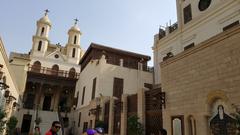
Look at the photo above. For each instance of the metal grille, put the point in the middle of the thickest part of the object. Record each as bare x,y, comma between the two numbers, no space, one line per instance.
153,111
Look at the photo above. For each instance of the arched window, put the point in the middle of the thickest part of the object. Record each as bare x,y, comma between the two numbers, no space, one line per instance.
192,125
39,45
75,40
42,31
73,52
55,69
36,66
72,72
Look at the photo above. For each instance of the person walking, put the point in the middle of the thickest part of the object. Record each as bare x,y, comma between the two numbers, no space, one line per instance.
56,126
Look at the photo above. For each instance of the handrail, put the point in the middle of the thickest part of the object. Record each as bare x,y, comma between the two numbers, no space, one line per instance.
50,71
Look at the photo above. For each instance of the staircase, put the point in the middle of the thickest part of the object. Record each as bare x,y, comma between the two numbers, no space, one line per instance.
47,118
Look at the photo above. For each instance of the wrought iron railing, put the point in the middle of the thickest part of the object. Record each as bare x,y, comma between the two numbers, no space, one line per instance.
50,71
173,27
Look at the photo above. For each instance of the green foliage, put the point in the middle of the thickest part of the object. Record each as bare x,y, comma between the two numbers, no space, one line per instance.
11,124
133,126
2,120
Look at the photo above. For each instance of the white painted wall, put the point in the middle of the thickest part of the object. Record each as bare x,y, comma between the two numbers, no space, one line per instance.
105,73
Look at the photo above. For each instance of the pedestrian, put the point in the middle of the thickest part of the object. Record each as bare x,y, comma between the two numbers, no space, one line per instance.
37,131
56,126
163,131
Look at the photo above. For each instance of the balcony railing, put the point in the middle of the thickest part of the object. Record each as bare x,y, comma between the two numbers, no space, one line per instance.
49,71
169,29
173,27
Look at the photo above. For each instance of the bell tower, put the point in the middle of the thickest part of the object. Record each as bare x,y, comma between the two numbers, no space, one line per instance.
74,51
40,39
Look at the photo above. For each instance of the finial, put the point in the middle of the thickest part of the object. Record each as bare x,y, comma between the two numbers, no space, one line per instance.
76,20
46,12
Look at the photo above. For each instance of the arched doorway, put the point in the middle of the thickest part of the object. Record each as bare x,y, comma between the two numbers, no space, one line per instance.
36,67
47,102
55,69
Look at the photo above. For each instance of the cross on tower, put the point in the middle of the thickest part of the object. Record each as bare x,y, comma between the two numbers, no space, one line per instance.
46,11
76,20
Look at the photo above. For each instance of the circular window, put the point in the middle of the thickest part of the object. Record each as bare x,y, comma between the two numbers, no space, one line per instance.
204,4
56,56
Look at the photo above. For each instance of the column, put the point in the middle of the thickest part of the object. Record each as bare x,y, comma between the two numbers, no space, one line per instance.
102,105
58,92
123,130
39,94
141,106
111,117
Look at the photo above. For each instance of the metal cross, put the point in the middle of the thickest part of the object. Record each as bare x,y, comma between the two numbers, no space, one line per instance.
46,11
76,20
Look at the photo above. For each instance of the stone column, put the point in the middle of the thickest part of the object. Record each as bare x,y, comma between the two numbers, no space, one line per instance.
123,130
58,92
111,117
38,94
102,105
141,106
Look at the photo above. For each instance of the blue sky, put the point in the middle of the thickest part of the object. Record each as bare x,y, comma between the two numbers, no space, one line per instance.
124,24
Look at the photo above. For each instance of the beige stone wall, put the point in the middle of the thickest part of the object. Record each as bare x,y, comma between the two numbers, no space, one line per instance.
196,80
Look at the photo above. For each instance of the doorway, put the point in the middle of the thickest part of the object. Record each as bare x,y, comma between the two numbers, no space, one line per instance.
47,102
26,123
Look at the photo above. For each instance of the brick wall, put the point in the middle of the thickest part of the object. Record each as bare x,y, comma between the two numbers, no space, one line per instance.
195,78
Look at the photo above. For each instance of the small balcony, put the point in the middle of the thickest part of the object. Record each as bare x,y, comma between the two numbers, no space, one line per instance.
53,72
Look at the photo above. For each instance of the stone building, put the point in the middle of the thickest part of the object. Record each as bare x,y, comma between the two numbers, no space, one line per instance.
9,92
47,77
111,86
196,62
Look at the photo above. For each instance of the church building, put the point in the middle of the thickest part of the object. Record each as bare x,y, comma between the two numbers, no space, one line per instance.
47,76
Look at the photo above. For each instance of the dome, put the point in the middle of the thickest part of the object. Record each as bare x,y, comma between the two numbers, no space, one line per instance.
45,20
75,28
